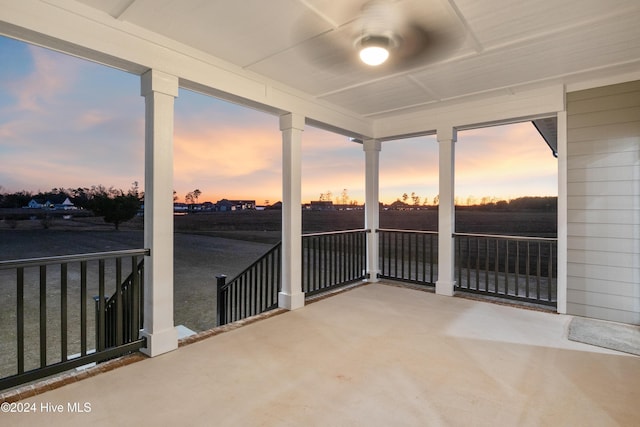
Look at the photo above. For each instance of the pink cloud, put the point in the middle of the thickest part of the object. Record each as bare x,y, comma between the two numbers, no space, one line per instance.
52,74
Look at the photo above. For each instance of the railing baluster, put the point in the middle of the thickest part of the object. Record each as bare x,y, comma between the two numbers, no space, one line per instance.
457,245
254,291
517,268
401,251
416,258
135,296
259,289
431,259
118,312
101,311
528,268
343,258
276,284
315,270
63,311
423,258
396,256
538,272
506,267
249,295
335,270
391,256
323,257
272,274
496,266
477,264
550,272
486,265
43,316
306,260
468,264
408,257
83,308
221,297
350,256
243,297
20,318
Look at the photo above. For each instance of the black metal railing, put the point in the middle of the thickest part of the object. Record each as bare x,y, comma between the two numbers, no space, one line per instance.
253,291
332,259
329,260
48,304
408,255
122,314
514,267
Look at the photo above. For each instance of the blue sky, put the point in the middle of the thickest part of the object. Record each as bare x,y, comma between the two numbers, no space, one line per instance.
66,122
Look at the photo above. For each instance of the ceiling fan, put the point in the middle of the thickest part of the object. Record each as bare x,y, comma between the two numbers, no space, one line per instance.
388,35
387,32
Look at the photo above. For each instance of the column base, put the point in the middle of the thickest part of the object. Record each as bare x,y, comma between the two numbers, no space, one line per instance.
373,278
160,342
290,302
445,288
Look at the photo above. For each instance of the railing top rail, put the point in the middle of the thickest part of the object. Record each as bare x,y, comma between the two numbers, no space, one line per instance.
502,236
31,262
326,233
393,230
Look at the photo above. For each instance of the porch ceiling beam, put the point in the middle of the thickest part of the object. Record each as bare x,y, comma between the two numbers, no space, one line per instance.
503,108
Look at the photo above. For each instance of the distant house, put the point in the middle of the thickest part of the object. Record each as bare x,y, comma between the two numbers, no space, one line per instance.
180,207
399,206
65,206
226,205
208,206
34,204
348,207
322,205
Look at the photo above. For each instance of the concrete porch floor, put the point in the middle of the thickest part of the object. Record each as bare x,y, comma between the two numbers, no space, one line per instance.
377,355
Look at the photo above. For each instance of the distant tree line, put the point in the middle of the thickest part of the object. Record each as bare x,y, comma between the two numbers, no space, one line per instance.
547,203
412,201
527,203
115,205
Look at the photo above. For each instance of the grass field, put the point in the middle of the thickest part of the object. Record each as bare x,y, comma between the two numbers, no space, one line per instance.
265,225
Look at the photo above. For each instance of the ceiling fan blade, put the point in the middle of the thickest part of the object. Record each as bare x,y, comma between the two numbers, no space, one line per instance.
424,46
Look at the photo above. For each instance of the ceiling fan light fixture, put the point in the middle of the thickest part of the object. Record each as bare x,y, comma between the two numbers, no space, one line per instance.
374,50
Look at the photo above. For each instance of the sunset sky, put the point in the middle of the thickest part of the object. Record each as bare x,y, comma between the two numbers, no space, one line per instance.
69,123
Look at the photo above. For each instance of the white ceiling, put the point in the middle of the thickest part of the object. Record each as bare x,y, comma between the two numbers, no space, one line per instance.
501,45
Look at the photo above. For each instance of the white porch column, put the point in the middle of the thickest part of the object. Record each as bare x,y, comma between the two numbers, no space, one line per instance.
291,296
562,213
446,215
159,90
372,204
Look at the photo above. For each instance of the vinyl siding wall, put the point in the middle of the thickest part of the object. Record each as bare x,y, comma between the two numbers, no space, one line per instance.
603,190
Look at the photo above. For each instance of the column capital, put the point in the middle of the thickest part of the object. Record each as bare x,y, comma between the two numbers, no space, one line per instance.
157,81
447,134
371,145
291,121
